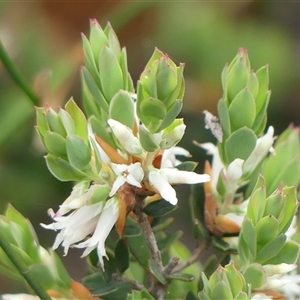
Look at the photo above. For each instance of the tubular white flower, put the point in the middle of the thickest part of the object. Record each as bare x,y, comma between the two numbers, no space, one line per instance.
95,146
169,157
132,174
125,137
19,297
233,173
217,164
171,138
263,146
97,219
162,179
104,225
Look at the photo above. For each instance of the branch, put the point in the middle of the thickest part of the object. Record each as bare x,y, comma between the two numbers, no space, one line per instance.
191,260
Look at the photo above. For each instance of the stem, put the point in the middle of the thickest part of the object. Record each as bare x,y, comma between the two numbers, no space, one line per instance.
150,237
134,284
16,75
191,260
23,269
157,289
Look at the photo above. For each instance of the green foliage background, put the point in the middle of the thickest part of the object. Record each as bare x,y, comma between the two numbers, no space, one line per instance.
43,38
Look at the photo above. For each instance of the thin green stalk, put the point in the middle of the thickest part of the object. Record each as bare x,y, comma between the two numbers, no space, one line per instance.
17,76
23,269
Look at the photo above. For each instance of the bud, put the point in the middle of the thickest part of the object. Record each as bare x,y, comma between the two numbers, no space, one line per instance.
245,95
105,72
160,92
225,283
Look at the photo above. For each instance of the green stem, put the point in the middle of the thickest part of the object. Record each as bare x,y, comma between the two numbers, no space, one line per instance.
16,75
23,269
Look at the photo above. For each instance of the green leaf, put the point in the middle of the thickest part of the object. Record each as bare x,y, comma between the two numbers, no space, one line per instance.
290,207
153,111
187,166
261,117
156,271
63,170
274,204
249,235
54,121
240,144
147,140
122,109
271,249
79,153
127,80
243,251
111,76
67,121
171,114
220,291
113,41
241,296
252,84
137,242
55,144
28,237
168,240
266,230
122,255
131,228
97,38
242,110
158,208
288,254
78,119
203,296
224,117
263,78
43,273
166,78
41,120
90,60
61,272
181,277
106,290
255,275
237,79
94,90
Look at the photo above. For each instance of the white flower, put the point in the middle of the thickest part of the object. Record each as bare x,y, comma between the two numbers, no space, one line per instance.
170,139
95,146
162,179
217,164
125,136
132,174
19,297
75,200
169,157
261,296
263,146
105,223
97,219
233,173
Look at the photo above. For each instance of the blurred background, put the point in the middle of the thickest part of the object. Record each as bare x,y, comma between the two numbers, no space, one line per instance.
43,39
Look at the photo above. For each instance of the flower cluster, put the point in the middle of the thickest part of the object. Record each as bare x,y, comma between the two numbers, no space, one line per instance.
121,157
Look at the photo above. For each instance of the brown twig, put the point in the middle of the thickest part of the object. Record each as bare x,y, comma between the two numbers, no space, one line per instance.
191,260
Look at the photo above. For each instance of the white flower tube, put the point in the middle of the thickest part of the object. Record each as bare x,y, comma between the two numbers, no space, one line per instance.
125,137
162,179
263,146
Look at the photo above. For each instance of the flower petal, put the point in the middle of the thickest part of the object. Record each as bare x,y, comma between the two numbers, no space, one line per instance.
176,176
160,182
